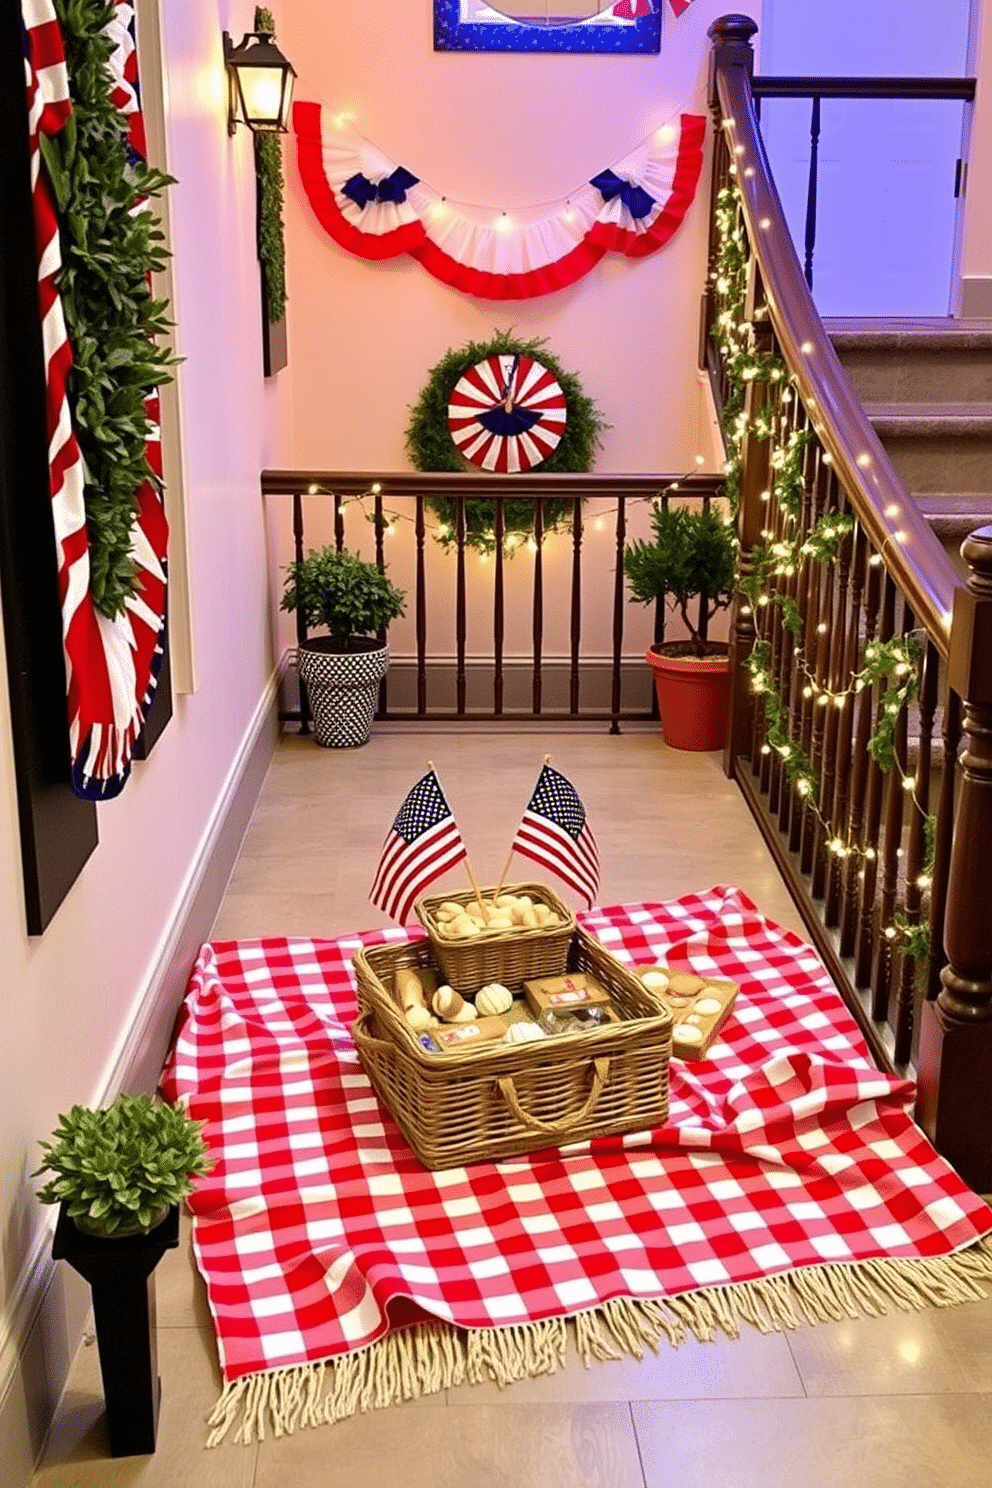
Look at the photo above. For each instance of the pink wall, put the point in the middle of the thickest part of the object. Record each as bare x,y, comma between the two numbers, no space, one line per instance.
501,130
71,997
506,130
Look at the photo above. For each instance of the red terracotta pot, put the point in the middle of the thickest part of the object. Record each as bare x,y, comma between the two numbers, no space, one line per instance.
693,697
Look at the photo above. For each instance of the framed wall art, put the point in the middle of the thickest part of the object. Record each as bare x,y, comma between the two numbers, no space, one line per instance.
622,26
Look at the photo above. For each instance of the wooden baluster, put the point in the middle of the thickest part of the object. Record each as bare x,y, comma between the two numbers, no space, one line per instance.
755,472
827,830
782,667
619,609
801,722
379,523
895,797
770,624
498,615
420,530
840,809
856,864
951,740
818,654
814,153
865,937
301,619
537,624
460,607
913,970
576,625
954,1077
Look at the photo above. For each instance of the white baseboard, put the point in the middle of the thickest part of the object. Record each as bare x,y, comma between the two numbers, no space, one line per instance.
49,1304
595,685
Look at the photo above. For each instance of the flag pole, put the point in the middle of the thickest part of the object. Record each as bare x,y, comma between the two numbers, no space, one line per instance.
506,865
468,865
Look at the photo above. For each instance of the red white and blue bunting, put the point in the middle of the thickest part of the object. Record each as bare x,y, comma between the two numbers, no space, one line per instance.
111,665
377,209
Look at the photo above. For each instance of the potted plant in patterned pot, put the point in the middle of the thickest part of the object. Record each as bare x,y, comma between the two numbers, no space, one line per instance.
355,601
120,1174
693,557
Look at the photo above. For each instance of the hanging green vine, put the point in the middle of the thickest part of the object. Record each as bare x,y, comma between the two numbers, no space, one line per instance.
111,241
271,230
430,446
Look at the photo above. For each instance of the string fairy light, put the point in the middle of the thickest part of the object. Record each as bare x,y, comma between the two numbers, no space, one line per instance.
892,667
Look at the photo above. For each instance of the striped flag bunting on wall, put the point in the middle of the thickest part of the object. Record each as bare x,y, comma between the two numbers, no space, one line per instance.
112,666
423,842
554,832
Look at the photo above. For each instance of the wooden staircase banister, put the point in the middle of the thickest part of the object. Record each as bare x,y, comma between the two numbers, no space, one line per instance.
888,513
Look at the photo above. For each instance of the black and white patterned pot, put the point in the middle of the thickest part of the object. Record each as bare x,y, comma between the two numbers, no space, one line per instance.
343,687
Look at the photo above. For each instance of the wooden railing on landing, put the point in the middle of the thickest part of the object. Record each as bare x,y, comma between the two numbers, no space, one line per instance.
409,492
852,846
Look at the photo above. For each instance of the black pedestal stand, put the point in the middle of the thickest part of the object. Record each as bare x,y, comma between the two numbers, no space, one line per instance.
119,1272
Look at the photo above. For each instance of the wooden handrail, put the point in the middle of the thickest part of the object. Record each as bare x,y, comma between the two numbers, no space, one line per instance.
922,569
473,484
961,89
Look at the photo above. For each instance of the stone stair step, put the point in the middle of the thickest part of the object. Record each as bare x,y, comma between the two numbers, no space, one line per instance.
911,360
937,449
953,515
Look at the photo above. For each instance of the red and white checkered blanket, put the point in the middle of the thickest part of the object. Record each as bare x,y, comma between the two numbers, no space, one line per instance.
319,1230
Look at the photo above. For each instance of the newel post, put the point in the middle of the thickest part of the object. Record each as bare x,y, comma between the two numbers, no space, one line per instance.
731,38
731,49
954,1101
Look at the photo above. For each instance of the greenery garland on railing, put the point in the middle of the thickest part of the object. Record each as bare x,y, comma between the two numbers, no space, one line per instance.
893,666
431,447
271,231
111,241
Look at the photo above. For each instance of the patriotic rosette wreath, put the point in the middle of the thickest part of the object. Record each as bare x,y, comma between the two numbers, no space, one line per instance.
102,372
505,405
377,209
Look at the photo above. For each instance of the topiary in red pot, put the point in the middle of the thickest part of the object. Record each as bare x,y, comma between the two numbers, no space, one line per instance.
693,557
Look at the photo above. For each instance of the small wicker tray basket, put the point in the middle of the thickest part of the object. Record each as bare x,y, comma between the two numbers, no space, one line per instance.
507,956
502,1100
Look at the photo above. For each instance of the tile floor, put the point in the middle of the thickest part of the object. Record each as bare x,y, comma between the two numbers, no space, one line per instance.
873,1402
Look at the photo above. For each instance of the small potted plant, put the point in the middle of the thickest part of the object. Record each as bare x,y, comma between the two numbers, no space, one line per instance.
119,1171
693,557
120,1174
342,670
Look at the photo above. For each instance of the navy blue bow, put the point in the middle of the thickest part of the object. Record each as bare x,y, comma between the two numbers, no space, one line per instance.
392,188
635,198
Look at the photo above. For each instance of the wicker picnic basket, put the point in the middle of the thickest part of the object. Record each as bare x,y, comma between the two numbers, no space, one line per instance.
502,1100
507,956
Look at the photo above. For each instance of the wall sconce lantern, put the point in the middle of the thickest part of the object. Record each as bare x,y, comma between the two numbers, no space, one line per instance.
260,84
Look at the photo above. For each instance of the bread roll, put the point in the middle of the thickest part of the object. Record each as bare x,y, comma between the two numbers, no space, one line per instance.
493,999
452,1007
409,990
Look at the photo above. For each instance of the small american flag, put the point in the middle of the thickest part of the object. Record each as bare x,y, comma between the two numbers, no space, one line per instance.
423,842
554,832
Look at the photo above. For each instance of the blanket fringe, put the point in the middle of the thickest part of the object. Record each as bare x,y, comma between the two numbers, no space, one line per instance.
430,1357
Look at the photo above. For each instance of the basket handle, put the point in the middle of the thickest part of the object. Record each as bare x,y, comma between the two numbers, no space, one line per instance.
507,1089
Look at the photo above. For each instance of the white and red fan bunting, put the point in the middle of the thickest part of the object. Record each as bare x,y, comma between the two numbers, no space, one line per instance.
507,414
111,665
377,209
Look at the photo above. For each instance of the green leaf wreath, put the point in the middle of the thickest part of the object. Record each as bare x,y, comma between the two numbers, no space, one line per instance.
431,447
111,241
